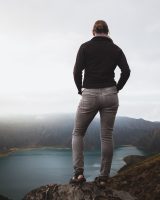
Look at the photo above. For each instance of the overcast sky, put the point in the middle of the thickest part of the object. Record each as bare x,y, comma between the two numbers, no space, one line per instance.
39,40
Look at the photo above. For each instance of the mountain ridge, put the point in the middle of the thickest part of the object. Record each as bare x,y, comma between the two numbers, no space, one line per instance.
56,130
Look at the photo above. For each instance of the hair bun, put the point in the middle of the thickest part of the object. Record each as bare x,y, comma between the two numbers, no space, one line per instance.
100,26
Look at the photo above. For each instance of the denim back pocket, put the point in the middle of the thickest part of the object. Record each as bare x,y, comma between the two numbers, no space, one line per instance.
89,100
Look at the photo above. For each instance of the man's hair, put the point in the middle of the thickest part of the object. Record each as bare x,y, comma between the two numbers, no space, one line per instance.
100,26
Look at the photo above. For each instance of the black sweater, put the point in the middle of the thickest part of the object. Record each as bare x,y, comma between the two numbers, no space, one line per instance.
98,58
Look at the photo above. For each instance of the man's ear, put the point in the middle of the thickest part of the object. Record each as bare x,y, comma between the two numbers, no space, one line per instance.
93,33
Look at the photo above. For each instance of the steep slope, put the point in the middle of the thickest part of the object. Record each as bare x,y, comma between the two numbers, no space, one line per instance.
141,179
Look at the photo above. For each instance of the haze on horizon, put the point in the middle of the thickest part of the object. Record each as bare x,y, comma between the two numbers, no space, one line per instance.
39,42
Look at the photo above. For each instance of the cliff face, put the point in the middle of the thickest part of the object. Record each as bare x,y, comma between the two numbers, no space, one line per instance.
140,180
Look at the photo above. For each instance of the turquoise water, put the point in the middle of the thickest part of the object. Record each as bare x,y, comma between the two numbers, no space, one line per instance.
25,170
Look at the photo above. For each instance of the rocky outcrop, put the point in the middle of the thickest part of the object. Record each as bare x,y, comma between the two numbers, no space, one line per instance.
139,181
86,191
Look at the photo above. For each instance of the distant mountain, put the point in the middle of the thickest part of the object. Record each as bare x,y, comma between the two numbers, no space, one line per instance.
56,130
130,131
150,142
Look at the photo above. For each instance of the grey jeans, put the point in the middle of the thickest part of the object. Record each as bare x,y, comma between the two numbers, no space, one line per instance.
106,102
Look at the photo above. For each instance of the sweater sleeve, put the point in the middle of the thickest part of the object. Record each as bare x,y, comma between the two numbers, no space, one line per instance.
125,70
78,68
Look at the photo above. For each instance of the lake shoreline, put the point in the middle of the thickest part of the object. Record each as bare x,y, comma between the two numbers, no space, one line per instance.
13,150
16,149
